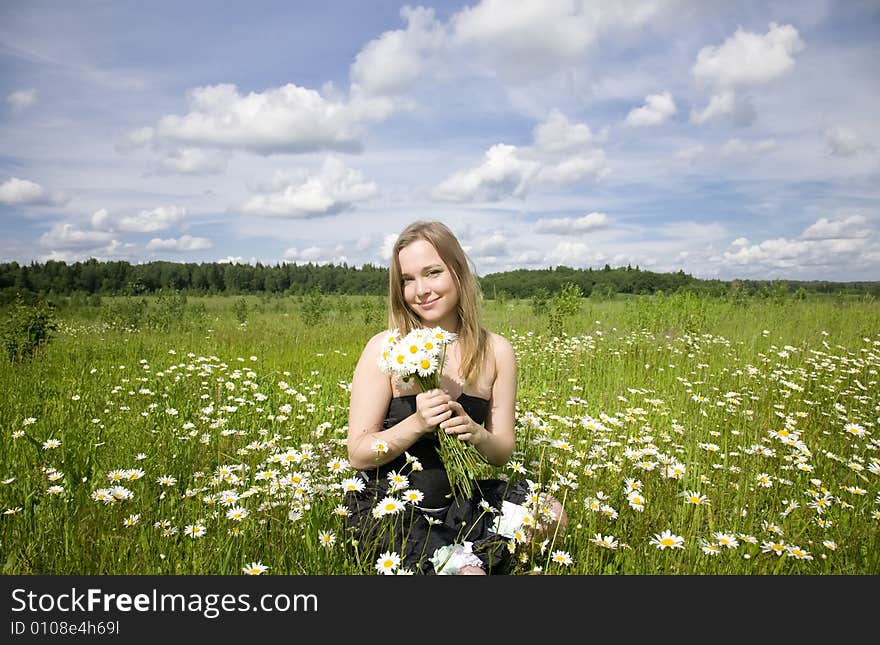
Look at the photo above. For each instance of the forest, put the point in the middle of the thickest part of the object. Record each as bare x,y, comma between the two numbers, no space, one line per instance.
94,277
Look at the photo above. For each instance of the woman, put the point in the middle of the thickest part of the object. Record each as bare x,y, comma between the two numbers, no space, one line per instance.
431,284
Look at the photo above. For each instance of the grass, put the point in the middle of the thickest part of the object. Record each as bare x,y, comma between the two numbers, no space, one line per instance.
216,433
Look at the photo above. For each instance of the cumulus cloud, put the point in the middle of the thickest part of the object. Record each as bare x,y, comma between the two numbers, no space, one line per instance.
146,221
511,171
523,40
503,173
333,189
726,105
67,236
845,142
15,191
573,254
748,58
192,161
316,255
572,225
657,110
745,59
391,62
826,244
288,119
558,134
21,100
852,227
180,244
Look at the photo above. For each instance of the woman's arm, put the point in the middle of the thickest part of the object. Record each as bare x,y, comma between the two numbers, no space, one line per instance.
497,439
370,396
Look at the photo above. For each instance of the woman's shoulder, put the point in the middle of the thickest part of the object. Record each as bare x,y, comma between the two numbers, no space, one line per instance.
499,343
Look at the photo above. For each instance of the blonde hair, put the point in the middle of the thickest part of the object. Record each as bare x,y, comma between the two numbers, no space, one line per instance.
472,337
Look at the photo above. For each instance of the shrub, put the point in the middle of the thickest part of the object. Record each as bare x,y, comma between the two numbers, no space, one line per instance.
27,329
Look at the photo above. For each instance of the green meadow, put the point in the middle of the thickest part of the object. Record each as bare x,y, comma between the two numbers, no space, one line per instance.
684,435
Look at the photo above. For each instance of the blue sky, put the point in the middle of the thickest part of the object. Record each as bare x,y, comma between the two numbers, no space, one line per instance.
726,139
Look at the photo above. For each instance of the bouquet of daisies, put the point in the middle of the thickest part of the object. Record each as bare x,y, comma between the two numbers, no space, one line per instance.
420,355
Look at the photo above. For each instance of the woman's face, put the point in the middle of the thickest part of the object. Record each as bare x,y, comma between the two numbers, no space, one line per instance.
428,286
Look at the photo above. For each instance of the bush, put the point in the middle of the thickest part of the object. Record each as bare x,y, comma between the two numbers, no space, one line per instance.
240,309
27,329
313,308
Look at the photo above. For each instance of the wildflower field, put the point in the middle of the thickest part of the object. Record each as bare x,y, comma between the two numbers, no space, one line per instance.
683,434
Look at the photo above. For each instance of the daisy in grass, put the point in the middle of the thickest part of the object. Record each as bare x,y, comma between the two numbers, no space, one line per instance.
561,557
50,444
764,480
237,513
636,501
254,569
353,484
387,563
710,548
694,497
605,541
667,540
798,553
166,480
195,531
776,548
326,539
131,520
726,540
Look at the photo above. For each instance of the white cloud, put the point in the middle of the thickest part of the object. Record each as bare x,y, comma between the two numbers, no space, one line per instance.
845,142
748,58
657,110
502,173
15,191
193,161
289,119
691,153
333,189
525,40
852,227
181,244
21,100
22,191
316,255
746,149
725,105
572,225
558,134
511,171
791,256
67,236
573,254
146,221
391,62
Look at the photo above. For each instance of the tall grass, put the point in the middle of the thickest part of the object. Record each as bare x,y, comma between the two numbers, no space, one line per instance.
217,437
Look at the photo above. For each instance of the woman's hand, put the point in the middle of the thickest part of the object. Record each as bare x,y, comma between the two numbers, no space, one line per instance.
433,408
461,425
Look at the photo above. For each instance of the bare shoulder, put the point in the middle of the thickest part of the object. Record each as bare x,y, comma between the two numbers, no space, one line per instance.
374,346
501,348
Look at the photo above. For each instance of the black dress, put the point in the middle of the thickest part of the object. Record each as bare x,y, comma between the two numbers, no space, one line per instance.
439,520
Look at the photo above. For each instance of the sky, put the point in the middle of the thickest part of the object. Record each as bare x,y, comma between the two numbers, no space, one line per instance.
728,139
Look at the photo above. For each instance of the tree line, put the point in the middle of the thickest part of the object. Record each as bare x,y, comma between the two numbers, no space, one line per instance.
123,278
